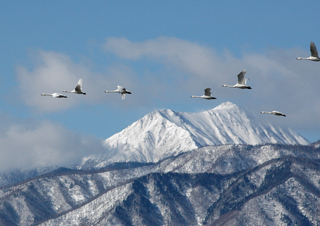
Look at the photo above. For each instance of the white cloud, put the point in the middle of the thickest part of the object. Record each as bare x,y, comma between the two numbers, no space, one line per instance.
43,143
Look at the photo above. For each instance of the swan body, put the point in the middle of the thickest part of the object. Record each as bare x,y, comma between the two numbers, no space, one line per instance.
77,89
120,90
55,95
207,95
241,84
314,53
278,113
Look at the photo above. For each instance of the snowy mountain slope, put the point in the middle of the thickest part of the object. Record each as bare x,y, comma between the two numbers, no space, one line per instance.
208,176
279,191
206,199
164,133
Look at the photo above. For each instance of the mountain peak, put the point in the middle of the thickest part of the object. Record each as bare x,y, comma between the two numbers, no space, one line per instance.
165,132
166,112
226,105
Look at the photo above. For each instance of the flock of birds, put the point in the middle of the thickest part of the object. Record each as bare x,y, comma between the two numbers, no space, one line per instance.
241,84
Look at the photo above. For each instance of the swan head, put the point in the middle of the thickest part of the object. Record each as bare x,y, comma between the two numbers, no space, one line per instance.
299,58
192,96
224,85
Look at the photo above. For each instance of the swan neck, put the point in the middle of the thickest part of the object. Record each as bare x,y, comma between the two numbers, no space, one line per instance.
302,58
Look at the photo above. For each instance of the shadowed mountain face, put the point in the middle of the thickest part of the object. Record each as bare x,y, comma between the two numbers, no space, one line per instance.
216,185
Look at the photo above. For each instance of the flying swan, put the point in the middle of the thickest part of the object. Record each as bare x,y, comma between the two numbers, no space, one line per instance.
241,82
314,53
207,95
77,90
55,95
278,113
120,90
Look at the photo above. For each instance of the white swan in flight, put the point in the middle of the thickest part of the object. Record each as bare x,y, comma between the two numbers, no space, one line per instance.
77,90
241,82
55,95
207,95
314,53
278,113
120,90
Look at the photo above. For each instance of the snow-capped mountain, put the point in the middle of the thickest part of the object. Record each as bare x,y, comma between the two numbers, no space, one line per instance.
164,133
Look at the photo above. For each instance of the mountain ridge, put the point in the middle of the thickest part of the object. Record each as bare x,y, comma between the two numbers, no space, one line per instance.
240,183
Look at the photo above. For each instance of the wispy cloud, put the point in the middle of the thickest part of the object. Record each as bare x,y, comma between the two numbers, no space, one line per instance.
186,55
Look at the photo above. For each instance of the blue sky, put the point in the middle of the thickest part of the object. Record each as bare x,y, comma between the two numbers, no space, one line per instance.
161,51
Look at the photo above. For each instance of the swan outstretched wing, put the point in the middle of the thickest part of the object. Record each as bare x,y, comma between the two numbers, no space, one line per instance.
313,50
207,92
241,79
79,86
120,88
